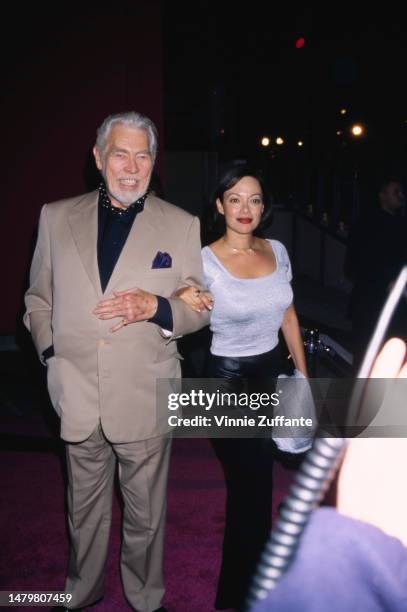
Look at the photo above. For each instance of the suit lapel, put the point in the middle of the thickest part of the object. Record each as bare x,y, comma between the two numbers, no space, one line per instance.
84,226
136,253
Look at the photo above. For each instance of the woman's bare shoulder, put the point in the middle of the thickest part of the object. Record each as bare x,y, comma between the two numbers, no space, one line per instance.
216,246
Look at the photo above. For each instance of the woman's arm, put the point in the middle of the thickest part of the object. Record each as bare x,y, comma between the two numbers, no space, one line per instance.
292,335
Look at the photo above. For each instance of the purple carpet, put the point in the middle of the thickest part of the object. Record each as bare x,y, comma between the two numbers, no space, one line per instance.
34,545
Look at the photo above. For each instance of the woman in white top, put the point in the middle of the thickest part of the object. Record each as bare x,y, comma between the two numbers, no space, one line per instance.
251,300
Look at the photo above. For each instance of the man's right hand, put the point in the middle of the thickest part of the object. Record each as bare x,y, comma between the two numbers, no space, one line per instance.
132,305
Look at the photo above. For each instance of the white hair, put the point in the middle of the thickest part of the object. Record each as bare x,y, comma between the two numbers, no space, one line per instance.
131,119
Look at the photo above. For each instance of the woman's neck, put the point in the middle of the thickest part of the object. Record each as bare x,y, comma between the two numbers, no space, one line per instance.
238,243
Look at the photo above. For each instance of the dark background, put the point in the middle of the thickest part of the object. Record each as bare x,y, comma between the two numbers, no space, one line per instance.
240,71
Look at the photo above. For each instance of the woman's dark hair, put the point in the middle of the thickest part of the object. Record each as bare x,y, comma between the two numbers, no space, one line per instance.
213,222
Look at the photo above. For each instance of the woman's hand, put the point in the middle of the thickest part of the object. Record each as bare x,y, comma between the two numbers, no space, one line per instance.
292,335
195,298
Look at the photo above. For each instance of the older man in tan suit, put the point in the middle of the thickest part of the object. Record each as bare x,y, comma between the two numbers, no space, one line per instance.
102,314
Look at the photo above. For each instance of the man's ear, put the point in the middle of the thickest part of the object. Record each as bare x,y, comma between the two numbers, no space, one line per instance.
219,206
98,157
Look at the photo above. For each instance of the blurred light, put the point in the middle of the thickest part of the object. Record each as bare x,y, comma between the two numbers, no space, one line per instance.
338,132
300,143
357,130
222,131
265,141
344,111
279,141
299,43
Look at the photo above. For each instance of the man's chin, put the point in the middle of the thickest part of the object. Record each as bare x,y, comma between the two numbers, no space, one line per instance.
126,199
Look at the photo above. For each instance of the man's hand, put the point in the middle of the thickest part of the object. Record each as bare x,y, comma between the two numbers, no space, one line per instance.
195,298
132,305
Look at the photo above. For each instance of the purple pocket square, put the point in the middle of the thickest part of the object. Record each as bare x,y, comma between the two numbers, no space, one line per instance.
162,260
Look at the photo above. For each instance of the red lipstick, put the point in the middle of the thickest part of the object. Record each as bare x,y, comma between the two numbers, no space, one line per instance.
245,220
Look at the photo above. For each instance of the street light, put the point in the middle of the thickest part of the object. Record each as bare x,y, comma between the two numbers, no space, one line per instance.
265,141
300,143
279,140
357,130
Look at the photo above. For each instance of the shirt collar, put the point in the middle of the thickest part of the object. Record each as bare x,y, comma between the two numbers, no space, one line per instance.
134,208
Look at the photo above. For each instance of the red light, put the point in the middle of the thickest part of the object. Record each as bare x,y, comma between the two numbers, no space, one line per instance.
299,43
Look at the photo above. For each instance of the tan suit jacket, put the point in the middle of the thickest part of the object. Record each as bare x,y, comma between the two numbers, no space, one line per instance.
96,374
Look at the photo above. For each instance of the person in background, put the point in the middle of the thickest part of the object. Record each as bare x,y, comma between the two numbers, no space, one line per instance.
377,250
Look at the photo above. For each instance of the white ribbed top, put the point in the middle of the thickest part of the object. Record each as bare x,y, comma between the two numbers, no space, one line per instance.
247,312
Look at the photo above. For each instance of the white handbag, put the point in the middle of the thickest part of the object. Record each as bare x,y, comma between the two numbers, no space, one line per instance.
296,402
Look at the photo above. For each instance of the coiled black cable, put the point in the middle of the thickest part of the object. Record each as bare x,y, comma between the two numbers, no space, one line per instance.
317,471
310,484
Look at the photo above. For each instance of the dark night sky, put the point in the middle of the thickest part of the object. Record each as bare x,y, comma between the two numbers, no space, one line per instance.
238,70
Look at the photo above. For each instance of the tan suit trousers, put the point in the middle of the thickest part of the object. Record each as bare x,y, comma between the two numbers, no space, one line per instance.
143,470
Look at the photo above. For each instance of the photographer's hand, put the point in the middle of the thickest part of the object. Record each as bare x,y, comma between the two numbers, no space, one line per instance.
371,484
